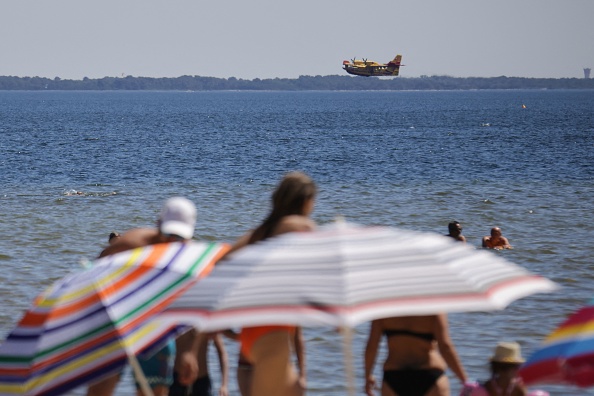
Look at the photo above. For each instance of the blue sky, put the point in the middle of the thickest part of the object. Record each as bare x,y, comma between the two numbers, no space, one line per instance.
277,38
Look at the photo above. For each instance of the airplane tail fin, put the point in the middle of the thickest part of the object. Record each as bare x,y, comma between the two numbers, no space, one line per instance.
394,65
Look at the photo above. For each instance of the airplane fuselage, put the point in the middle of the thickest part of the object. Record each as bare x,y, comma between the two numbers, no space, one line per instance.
368,69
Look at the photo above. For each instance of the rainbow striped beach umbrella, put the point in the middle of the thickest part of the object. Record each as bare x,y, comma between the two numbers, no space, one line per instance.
566,355
86,325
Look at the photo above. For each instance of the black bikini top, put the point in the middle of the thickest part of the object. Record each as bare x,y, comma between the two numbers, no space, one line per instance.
424,336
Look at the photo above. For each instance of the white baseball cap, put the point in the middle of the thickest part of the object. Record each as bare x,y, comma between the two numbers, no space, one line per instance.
178,217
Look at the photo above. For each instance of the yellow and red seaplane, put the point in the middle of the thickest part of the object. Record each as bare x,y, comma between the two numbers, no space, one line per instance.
367,68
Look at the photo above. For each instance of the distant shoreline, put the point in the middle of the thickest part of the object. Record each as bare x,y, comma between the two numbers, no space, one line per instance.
302,83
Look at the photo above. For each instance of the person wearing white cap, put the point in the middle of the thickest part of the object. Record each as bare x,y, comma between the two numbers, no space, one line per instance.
177,219
175,223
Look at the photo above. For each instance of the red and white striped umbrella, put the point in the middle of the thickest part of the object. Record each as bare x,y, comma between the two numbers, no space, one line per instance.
344,274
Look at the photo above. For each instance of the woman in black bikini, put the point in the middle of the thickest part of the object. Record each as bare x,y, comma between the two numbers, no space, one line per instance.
419,351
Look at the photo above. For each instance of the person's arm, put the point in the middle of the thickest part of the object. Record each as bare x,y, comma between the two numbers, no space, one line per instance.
105,386
223,362
446,348
462,238
520,389
506,244
485,242
186,362
299,345
375,336
132,239
121,245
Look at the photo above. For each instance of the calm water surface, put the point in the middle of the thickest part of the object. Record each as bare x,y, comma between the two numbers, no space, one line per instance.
410,159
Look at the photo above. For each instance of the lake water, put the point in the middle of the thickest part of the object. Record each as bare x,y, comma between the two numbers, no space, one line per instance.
409,159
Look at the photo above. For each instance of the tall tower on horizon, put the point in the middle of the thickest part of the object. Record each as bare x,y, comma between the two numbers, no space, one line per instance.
587,72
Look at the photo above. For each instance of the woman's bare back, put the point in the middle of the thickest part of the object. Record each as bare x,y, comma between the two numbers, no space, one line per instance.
412,342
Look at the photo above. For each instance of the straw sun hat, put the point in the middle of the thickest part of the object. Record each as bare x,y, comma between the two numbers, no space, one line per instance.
508,352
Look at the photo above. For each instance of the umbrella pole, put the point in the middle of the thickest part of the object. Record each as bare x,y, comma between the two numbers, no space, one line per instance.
347,350
140,377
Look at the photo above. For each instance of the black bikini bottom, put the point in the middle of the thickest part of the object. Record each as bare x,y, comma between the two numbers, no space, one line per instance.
412,382
202,387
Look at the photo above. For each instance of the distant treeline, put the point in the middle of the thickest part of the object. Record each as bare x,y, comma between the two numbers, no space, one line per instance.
303,83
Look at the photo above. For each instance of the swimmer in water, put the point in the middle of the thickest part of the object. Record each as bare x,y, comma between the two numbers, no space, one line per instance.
455,230
496,240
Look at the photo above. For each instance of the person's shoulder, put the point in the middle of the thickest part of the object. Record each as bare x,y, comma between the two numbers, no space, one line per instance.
132,239
295,223
241,242
138,237
136,233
